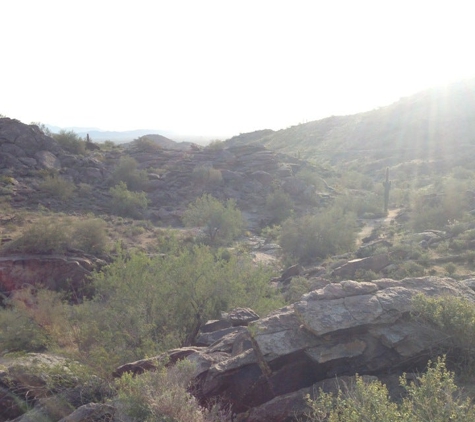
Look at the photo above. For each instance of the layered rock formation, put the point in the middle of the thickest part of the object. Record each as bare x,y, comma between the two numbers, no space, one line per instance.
345,328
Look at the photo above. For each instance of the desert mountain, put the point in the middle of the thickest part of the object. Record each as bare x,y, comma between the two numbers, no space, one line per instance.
435,123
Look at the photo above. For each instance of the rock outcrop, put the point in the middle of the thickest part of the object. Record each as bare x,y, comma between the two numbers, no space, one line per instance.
337,331
54,272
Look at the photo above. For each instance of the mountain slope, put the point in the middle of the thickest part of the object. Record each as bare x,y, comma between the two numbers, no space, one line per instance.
431,124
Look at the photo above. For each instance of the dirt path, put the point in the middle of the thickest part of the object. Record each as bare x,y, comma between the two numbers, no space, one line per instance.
374,223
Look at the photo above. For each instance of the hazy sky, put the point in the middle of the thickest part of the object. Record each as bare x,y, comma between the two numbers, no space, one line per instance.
223,67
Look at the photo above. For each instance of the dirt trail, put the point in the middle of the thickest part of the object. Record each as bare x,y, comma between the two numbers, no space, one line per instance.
374,223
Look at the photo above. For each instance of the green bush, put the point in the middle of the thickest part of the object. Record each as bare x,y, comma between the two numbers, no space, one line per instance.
163,395
70,141
216,145
58,187
440,209
432,398
279,205
33,322
453,319
318,236
206,176
144,144
127,203
222,222
145,305
50,235
47,235
407,269
126,171
90,235
367,205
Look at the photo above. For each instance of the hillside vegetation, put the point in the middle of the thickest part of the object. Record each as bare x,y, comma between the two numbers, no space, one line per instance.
114,258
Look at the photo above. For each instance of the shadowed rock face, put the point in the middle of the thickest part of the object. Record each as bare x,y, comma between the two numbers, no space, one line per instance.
340,330
49,271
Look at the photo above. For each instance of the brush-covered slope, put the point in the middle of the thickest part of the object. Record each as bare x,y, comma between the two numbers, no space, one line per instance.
435,123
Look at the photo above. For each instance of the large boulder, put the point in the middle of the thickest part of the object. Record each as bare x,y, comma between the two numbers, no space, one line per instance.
19,141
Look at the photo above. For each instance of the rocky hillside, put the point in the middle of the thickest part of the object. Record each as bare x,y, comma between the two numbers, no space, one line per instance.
110,334
433,124
247,174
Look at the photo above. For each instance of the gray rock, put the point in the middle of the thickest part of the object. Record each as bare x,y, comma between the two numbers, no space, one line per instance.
47,160
92,412
240,316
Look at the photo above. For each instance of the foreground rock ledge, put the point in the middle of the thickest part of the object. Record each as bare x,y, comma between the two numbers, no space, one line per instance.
340,330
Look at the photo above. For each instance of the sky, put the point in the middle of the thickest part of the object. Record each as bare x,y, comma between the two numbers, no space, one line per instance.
222,67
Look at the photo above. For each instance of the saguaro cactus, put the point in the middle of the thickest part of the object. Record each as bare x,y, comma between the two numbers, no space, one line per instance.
387,187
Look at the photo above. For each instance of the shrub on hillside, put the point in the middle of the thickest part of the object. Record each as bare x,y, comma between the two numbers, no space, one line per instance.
435,211
70,141
127,203
56,235
33,322
58,187
222,222
144,305
279,205
90,235
45,236
318,236
452,318
163,395
432,398
145,144
126,171
206,176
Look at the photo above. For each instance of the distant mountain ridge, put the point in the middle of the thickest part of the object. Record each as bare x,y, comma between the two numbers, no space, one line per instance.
433,122
120,137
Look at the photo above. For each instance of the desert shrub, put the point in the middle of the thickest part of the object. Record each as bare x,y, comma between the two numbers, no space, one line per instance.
145,144
19,332
50,235
353,179
407,269
107,145
90,235
70,141
215,145
47,235
163,395
311,177
366,275
206,176
279,205
222,222
438,210
33,322
432,398
58,187
318,236
298,286
451,269
126,171
84,189
453,318
367,205
144,305
271,233
127,203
